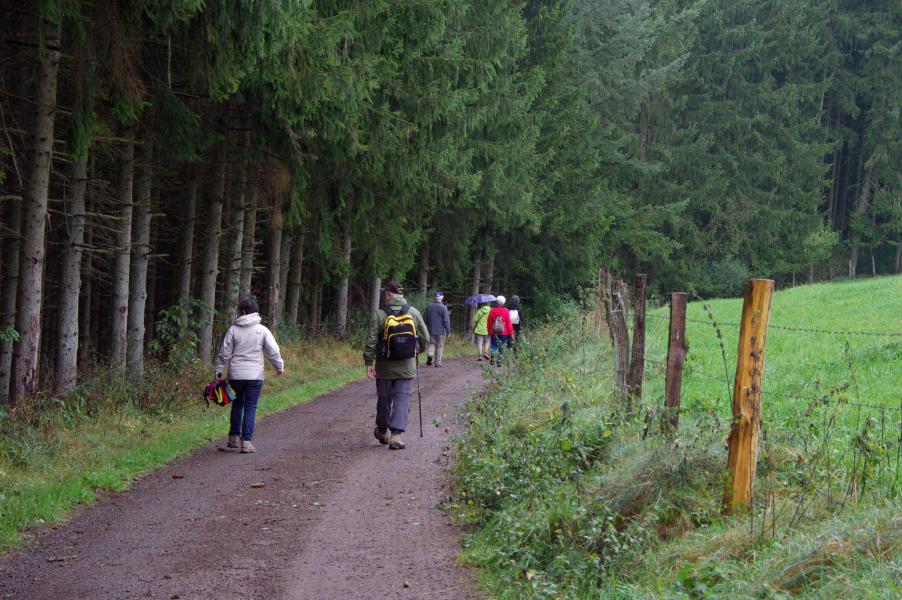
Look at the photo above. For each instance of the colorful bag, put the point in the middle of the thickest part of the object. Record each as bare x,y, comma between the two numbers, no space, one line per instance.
498,326
399,335
219,391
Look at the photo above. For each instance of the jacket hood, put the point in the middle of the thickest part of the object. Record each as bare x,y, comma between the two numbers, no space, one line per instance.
248,320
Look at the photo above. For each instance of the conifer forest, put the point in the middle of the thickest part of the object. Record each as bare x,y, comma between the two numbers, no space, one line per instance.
160,159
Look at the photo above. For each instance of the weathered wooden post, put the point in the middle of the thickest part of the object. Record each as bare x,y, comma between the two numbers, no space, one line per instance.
601,310
742,457
676,355
637,354
620,335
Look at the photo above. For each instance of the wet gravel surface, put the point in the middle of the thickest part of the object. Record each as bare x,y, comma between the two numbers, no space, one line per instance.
337,514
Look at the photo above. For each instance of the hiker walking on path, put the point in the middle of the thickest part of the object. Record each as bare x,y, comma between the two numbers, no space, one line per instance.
516,318
243,348
501,329
397,331
481,332
438,321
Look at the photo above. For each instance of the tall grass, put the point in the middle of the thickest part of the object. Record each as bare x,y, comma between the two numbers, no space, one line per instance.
572,497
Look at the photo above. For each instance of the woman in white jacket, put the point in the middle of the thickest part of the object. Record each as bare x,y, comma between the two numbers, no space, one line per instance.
243,348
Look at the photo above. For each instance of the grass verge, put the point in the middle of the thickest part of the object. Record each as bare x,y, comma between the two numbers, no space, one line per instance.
60,453
571,497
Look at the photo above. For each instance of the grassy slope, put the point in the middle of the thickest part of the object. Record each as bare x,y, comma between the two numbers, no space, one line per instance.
573,502
66,455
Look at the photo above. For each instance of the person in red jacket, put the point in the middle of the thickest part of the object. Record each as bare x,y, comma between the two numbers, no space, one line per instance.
500,329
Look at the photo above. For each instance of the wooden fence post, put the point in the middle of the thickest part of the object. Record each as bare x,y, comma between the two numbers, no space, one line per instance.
676,355
742,458
602,311
621,338
637,354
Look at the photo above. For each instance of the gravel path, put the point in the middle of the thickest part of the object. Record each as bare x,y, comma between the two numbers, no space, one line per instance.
339,516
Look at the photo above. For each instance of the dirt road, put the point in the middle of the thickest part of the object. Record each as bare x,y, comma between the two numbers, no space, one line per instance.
339,515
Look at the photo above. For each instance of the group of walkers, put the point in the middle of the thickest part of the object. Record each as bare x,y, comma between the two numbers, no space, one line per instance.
391,353
497,327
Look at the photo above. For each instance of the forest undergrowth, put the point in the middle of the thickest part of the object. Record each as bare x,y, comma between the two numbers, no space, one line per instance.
572,496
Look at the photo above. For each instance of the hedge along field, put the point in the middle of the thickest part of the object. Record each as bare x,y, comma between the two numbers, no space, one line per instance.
570,497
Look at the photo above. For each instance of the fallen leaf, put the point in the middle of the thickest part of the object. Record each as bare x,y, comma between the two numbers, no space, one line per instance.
258,485
177,476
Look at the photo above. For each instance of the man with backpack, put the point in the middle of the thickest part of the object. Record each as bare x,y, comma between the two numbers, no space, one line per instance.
439,323
397,332
500,328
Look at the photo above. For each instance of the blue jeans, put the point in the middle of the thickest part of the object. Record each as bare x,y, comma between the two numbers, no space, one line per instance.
244,407
498,344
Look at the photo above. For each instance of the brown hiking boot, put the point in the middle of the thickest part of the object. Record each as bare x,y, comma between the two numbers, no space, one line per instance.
381,435
395,442
234,441
247,447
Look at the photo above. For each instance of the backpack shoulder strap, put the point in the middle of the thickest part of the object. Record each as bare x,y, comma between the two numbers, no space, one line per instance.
404,310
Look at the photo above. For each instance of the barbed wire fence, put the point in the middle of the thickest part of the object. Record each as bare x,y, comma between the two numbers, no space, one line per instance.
821,443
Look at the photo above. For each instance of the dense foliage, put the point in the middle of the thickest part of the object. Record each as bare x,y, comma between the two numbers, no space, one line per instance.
511,146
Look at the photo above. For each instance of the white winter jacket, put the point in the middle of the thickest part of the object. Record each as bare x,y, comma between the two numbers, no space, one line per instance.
243,348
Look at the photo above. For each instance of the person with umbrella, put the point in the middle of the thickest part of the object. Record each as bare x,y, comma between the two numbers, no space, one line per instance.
501,329
481,331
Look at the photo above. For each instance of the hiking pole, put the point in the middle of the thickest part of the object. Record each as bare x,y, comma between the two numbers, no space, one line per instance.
419,396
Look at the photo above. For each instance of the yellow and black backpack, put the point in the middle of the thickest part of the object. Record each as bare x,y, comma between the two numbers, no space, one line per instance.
399,334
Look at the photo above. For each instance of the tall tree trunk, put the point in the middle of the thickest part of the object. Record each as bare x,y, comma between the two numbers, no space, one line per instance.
489,273
899,256
276,222
140,259
31,266
861,206
85,346
294,284
474,289
424,269
316,303
375,293
236,242
285,255
123,251
70,281
810,274
344,283
249,244
210,267
11,248
186,258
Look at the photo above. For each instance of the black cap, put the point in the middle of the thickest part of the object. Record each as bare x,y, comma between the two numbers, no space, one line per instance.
393,287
